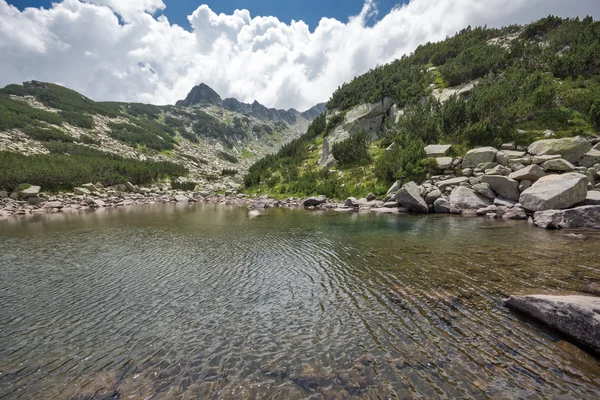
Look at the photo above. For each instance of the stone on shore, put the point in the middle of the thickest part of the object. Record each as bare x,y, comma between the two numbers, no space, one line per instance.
130,187
81,191
180,198
432,196
484,190
571,149
314,201
391,204
395,187
592,199
578,217
531,173
442,206
26,191
555,192
351,202
577,316
54,204
409,197
443,163
502,186
437,150
90,186
464,198
478,156
451,182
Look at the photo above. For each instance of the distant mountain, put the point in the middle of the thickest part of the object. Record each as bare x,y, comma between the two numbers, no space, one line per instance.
314,112
203,95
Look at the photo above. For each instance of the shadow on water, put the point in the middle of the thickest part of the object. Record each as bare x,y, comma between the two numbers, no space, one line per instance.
198,301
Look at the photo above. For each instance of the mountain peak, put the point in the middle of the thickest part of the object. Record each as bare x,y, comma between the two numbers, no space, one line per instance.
201,94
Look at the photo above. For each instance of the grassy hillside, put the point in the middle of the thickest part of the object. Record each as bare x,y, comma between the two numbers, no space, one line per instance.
57,138
542,76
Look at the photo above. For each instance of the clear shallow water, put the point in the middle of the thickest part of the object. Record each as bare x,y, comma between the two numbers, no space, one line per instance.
200,302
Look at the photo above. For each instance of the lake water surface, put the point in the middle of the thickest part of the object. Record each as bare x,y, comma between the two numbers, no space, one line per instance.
198,301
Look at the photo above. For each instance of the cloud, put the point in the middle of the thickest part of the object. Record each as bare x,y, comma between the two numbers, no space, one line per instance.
120,50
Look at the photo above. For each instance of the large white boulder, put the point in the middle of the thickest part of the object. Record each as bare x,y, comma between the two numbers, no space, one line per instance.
478,156
29,191
464,198
571,149
577,316
555,192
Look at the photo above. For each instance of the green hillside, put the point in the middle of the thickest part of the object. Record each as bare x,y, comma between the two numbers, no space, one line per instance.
544,76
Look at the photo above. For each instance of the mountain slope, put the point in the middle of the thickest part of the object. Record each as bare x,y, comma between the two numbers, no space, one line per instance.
481,87
47,125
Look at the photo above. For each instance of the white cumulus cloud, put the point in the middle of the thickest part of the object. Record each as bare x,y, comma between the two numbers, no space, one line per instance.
120,50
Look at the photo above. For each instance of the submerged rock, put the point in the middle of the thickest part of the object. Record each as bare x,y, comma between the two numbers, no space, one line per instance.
555,192
579,217
254,214
577,316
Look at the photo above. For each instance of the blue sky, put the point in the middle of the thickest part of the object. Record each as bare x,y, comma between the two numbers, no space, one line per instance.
309,11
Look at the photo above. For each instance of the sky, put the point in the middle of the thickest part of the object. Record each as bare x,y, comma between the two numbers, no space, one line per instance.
291,53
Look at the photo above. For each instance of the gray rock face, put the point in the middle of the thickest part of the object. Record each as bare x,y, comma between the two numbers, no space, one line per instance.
558,165
53,204
90,186
409,196
391,204
577,316
130,186
592,198
531,173
480,155
314,201
502,186
395,187
442,206
437,150
571,149
464,198
579,217
590,158
31,191
555,192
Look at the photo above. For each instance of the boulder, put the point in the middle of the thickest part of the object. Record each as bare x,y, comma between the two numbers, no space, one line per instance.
464,198
578,217
181,198
479,155
81,191
314,201
442,185
524,185
409,196
371,197
558,165
351,202
432,196
571,149
443,163
499,201
590,158
99,203
515,213
555,192
442,206
26,191
531,173
391,204
395,187
130,186
502,158
484,190
254,214
54,204
437,150
592,199
576,316
90,186
502,186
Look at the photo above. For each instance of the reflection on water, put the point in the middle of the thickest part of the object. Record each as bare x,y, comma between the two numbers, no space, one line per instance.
199,301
